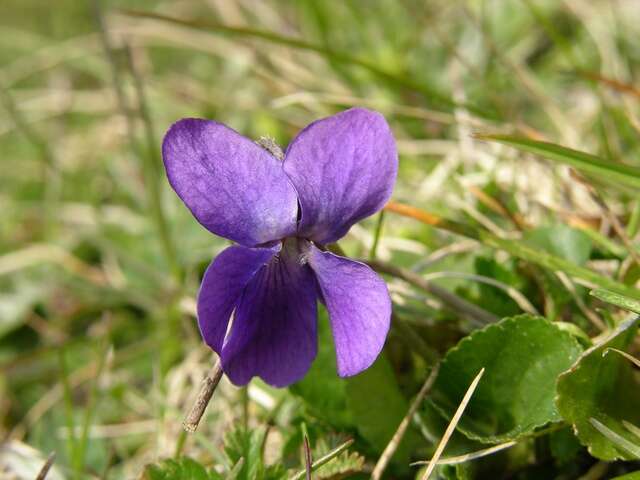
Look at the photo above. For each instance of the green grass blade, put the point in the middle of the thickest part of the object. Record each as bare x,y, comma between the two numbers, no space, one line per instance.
72,445
524,252
584,162
515,248
618,440
323,460
430,93
617,300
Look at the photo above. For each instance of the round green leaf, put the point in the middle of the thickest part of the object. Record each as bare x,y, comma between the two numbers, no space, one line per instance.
603,391
522,357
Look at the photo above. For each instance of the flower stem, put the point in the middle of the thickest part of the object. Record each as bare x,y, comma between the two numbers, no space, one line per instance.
209,385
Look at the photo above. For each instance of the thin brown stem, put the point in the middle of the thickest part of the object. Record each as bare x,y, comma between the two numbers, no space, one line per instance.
44,471
471,312
208,387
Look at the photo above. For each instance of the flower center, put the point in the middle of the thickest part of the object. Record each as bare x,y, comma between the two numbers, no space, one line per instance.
270,145
295,249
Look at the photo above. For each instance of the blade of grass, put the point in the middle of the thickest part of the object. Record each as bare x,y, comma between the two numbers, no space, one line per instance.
516,248
612,83
554,34
617,300
452,426
467,309
632,428
634,220
307,456
23,126
522,301
470,456
152,168
323,460
616,439
631,358
585,162
103,358
392,446
68,408
376,235
329,53
611,217
544,259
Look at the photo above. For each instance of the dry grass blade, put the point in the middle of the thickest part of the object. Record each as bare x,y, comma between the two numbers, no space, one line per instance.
632,428
37,254
470,456
338,56
631,358
452,426
517,249
615,438
467,309
514,294
392,446
616,85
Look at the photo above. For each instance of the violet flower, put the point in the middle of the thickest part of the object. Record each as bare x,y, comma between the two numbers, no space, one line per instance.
282,213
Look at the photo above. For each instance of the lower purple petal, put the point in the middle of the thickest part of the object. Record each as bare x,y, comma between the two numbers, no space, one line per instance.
222,287
274,331
359,309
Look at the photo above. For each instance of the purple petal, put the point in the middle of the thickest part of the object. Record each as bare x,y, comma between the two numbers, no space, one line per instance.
233,187
222,287
359,309
274,332
344,168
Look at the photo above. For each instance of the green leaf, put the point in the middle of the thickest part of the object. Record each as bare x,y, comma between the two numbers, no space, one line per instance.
184,468
522,356
370,402
602,387
564,446
246,445
324,393
561,241
621,301
494,299
434,425
585,162
377,407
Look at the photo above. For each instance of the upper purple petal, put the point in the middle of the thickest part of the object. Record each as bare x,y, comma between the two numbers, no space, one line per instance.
274,331
343,168
233,187
222,287
359,309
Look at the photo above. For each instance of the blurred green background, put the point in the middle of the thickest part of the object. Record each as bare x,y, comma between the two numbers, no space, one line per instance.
100,263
